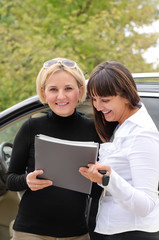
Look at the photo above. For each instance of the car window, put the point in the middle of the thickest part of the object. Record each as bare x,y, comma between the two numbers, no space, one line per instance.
152,107
8,134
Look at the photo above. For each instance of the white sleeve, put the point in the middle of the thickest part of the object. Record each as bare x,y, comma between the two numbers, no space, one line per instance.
142,196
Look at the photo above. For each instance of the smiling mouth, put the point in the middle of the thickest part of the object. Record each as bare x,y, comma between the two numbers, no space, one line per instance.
107,112
62,104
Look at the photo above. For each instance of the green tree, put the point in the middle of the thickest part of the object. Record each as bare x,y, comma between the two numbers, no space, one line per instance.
88,32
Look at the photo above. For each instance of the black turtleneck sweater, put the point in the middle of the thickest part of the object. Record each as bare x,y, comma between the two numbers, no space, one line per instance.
51,211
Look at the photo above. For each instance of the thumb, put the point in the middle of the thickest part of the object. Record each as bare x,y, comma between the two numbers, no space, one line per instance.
37,172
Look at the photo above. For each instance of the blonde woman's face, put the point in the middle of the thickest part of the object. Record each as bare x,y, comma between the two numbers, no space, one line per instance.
62,93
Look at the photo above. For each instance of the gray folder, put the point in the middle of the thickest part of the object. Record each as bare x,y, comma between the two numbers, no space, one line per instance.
61,160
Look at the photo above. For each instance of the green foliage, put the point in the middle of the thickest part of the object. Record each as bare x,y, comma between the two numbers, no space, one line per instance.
88,32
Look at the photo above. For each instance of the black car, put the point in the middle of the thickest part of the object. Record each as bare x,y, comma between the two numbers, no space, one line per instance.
12,118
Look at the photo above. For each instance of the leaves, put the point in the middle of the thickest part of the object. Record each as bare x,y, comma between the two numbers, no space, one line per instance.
89,32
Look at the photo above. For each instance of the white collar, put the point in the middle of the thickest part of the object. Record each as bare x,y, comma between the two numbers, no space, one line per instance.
141,119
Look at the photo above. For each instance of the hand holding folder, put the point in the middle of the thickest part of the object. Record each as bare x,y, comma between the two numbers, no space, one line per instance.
61,160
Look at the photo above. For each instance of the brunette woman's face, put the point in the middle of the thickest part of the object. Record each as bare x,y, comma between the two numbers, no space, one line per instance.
62,93
114,108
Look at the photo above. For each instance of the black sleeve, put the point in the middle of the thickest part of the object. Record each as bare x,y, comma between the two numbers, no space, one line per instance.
16,175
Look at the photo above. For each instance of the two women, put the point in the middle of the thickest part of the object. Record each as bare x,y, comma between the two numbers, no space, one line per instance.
129,154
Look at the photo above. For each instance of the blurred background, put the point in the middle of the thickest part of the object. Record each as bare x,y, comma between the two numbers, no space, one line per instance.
88,32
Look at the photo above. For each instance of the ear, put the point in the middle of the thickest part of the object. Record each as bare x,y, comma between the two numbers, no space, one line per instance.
126,101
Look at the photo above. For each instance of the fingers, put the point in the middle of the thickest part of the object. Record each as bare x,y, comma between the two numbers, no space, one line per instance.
100,166
104,167
92,172
84,172
35,187
37,184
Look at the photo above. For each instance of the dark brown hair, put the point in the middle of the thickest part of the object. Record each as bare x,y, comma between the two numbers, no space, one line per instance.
111,79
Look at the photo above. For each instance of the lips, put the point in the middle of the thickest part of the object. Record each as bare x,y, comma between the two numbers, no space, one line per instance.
106,112
62,104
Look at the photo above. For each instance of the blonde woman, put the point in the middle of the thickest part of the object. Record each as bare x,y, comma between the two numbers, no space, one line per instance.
46,211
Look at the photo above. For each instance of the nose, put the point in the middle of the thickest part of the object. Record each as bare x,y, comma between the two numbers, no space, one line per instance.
61,94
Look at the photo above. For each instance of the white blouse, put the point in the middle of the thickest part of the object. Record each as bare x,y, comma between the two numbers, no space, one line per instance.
131,201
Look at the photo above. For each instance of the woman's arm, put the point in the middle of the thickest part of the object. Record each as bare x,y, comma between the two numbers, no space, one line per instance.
142,196
16,175
21,174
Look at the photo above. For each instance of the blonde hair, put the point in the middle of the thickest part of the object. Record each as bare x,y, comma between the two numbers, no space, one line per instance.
45,73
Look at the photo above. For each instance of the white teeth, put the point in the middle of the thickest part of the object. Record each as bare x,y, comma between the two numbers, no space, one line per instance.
106,112
61,104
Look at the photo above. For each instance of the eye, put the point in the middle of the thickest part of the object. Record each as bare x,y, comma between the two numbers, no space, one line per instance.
68,88
53,89
105,100
93,100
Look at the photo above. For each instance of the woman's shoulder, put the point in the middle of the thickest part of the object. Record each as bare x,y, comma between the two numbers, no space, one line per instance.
34,122
142,120
38,118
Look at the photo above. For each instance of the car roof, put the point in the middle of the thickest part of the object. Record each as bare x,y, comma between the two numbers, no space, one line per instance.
147,82
146,75
28,105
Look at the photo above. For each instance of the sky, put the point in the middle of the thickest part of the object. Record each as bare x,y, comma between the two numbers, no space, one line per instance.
152,54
